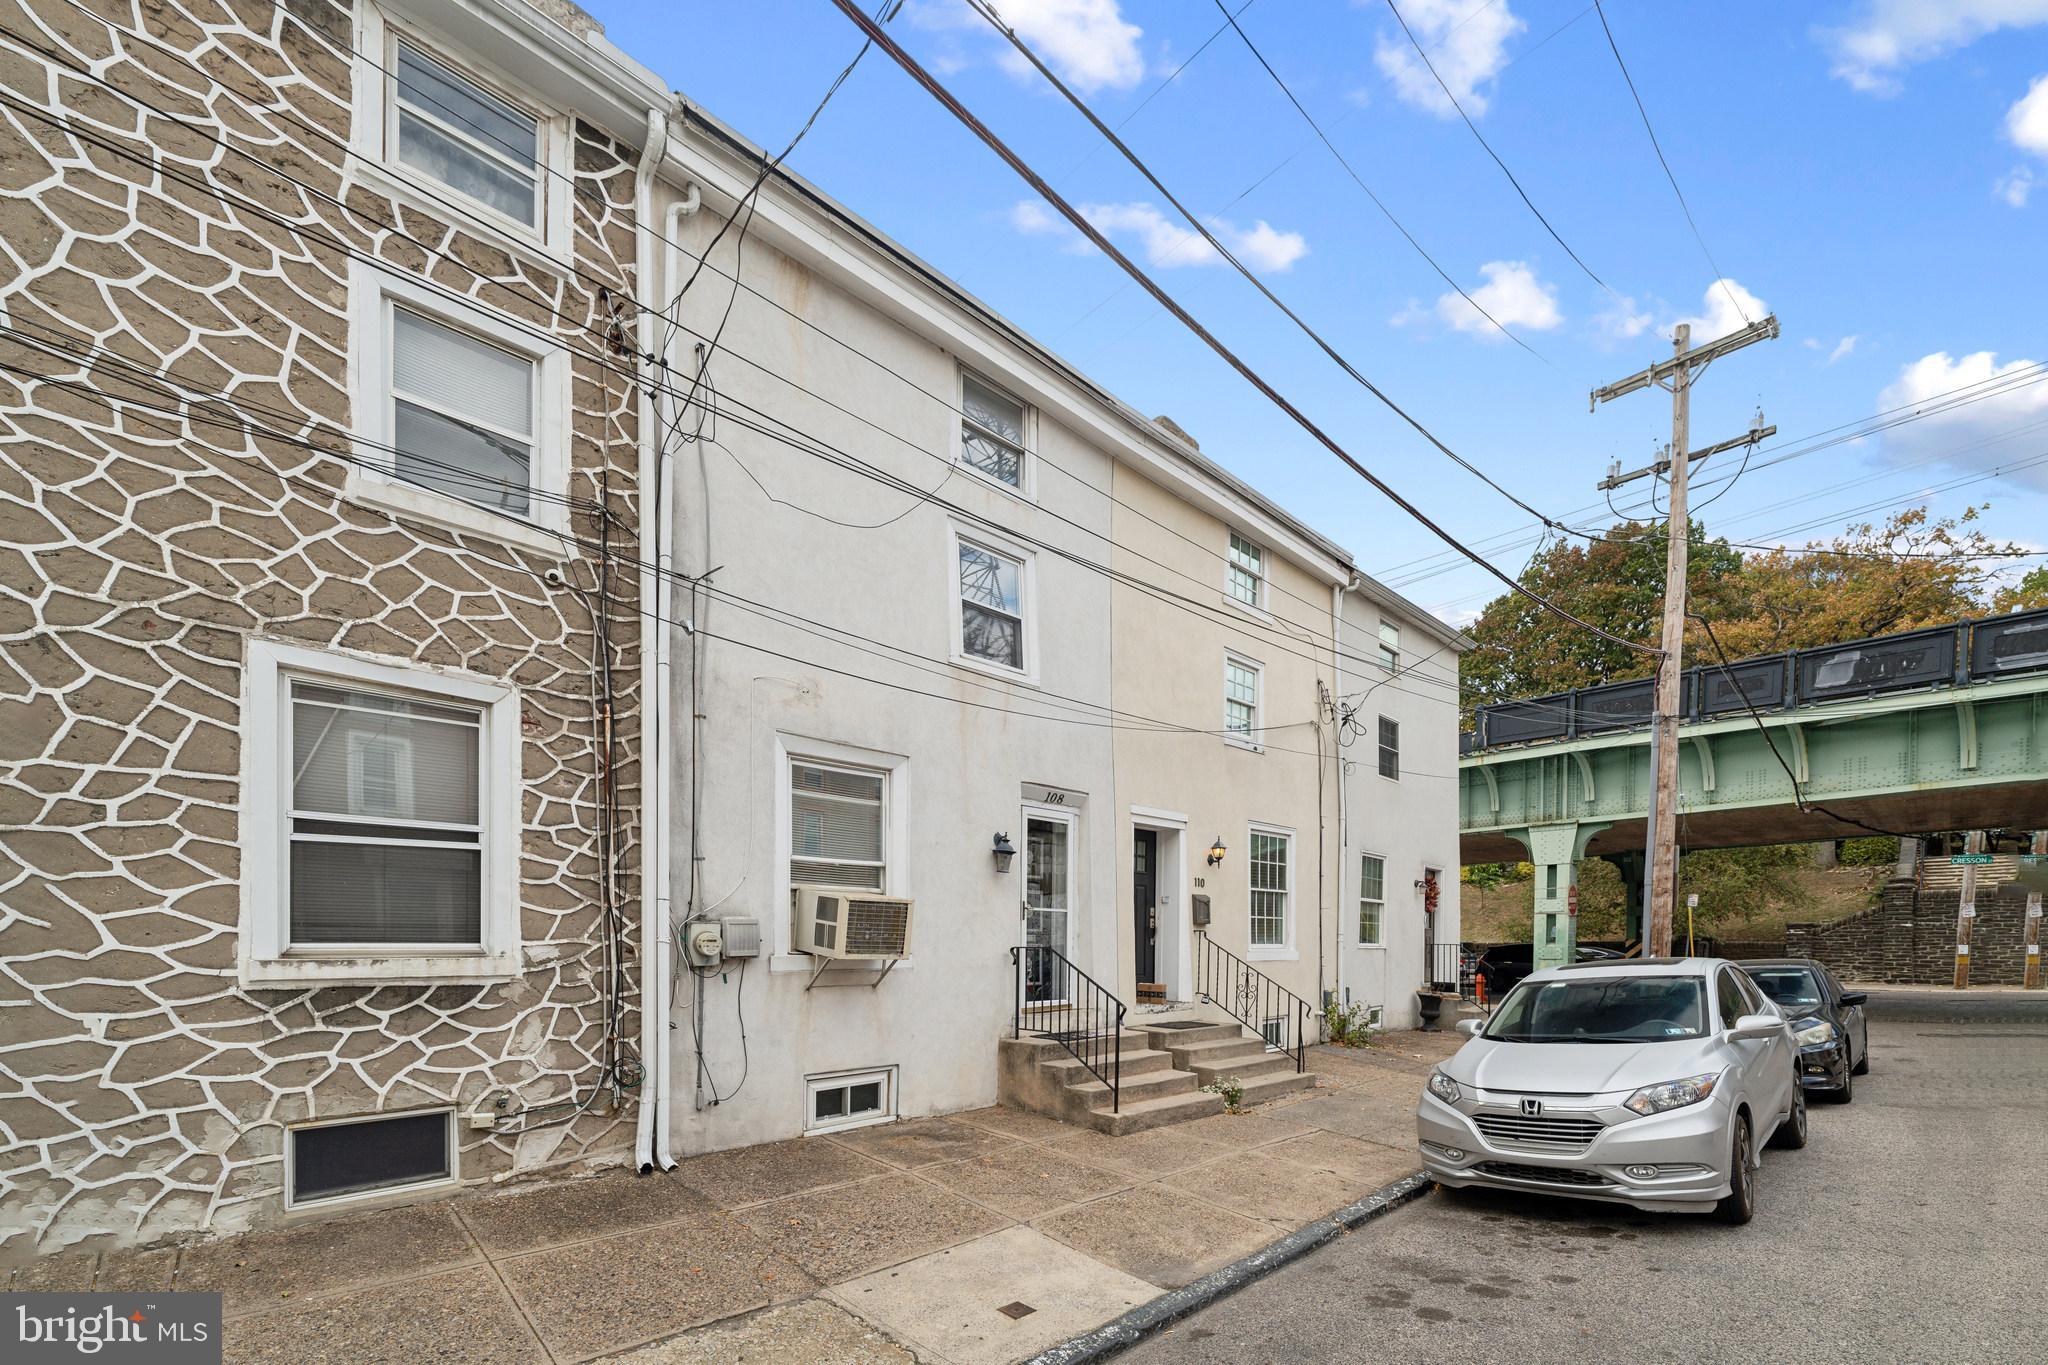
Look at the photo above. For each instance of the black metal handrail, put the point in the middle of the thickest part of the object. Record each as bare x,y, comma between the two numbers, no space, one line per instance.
1252,998
1059,1002
1448,968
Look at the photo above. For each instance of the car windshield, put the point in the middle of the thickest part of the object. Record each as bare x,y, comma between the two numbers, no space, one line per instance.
1787,985
1614,1009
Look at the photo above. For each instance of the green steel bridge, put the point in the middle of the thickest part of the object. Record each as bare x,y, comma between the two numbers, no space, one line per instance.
1919,733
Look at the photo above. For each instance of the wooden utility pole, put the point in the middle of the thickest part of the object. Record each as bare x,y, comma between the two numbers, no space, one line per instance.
1966,907
1677,375
2032,974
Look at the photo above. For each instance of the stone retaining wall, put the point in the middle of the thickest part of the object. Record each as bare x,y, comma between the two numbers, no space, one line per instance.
1910,936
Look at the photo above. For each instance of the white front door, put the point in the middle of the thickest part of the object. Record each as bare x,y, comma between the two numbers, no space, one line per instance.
1048,905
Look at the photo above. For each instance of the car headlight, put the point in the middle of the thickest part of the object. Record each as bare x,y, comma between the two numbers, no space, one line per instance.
1814,1033
1444,1088
1655,1099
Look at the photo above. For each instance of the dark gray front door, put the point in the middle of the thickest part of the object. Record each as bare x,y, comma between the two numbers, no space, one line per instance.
1144,903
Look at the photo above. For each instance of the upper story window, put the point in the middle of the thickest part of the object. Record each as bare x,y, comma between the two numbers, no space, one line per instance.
381,829
462,414
836,825
991,592
993,432
1390,748
1245,571
1390,646
448,127
1240,699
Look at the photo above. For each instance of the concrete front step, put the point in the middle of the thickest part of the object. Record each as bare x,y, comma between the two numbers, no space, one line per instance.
1150,1085
1244,1068
1072,1071
1173,1039
1137,1115
1218,1051
1272,1085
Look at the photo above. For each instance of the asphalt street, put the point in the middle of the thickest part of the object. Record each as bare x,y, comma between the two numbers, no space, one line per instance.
1910,1228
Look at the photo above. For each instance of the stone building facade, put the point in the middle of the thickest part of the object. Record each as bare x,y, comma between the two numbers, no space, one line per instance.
211,212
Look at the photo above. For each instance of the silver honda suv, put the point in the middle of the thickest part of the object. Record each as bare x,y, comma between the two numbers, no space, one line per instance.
1653,1082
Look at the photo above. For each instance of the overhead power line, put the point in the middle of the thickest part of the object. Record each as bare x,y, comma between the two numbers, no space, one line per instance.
1108,248
1416,43
1308,118
1658,147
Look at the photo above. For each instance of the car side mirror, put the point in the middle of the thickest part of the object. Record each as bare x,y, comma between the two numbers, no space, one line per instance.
1854,997
1755,1026
1471,1028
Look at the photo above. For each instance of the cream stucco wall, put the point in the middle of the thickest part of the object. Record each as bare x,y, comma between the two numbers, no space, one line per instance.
1172,636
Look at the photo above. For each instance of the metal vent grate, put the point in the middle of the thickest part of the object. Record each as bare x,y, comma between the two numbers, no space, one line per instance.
337,1159
876,926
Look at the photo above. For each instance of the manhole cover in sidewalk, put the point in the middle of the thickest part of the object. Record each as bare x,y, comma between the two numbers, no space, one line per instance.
1016,1310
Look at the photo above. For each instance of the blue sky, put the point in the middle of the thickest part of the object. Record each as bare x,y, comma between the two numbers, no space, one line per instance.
1867,170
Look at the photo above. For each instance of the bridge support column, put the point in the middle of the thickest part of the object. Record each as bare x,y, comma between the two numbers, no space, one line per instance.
1629,864
1555,850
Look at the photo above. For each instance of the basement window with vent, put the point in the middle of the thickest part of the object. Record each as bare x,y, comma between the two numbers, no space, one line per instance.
357,1157
850,1099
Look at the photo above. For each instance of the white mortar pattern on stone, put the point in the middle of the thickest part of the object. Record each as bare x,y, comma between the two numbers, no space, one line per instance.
141,1089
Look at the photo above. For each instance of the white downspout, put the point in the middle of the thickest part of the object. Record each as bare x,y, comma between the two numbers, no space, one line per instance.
1343,807
663,779
651,1138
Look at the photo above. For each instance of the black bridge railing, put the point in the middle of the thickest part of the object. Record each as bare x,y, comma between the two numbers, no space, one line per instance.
1057,1001
1252,998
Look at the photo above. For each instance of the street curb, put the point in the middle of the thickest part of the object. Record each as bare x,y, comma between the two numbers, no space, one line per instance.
1120,1334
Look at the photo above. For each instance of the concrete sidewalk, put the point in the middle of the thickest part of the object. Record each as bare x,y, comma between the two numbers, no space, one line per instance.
895,1243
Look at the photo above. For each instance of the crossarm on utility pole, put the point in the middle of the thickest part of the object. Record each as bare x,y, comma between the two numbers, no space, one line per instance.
1614,481
1687,363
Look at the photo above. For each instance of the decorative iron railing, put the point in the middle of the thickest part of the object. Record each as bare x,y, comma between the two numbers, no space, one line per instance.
1252,998
1449,968
1057,1001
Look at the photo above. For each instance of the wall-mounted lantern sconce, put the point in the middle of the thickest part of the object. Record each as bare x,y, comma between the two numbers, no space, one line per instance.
1216,851
1004,851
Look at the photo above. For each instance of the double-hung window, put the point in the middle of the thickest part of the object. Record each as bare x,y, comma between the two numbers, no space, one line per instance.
1390,646
836,825
1390,748
381,821
989,594
1240,700
1372,898
386,820
993,438
462,414
449,128
1272,870
1245,571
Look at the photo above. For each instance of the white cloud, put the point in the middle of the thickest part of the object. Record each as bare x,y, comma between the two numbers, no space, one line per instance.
1467,48
1843,348
1965,435
1512,294
2015,187
1623,321
1088,42
1167,243
2026,123
1890,35
1723,315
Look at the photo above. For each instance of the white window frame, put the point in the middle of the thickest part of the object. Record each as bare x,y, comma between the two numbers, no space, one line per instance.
1255,740
896,880
1027,608
1262,588
265,954
846,1080
1380,749
1026,486
1390,650
375,294
374,128
1285,950
1357,924
384,1193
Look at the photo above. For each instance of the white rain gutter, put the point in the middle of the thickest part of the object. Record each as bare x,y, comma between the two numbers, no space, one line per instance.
650,1146
1343,806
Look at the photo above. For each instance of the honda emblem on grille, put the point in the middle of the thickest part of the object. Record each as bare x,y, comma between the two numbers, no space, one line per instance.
1532,1108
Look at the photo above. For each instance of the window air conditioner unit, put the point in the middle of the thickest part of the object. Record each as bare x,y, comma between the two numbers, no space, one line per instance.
838,922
